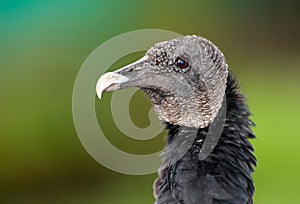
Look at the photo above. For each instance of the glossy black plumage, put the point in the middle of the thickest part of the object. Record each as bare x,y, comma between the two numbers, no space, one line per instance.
224,177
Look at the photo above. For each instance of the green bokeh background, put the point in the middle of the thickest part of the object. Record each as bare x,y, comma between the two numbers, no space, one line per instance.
42,46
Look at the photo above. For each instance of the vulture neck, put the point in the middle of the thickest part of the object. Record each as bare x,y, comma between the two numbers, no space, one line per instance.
224,176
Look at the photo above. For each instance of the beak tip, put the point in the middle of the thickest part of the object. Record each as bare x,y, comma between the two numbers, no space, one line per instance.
109,82
99,95
99,89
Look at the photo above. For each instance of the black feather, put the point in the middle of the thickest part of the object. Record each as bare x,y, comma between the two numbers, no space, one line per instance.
225,175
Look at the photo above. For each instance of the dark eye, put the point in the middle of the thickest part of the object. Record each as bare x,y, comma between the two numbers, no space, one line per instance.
182,62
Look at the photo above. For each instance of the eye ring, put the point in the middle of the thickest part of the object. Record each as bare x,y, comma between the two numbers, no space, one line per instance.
181,62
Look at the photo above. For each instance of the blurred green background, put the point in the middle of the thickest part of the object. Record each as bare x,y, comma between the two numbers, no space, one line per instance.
43,45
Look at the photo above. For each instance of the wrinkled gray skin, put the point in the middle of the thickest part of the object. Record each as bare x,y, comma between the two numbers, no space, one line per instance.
188,101
201,86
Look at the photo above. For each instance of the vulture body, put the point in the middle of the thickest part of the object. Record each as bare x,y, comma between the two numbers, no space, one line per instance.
188,82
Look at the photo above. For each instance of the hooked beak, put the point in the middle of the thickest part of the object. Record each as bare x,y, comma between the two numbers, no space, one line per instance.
111,81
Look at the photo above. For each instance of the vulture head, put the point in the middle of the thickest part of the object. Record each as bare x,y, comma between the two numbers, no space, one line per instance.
185,78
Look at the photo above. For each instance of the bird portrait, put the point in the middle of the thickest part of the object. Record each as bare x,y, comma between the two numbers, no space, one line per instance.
189,82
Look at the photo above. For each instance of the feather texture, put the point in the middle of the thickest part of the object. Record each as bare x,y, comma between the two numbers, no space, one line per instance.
225,175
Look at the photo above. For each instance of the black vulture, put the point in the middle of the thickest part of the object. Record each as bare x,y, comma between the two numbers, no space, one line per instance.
187,79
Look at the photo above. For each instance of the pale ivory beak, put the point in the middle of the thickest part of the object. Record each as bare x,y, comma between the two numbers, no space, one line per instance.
111,81
108,82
